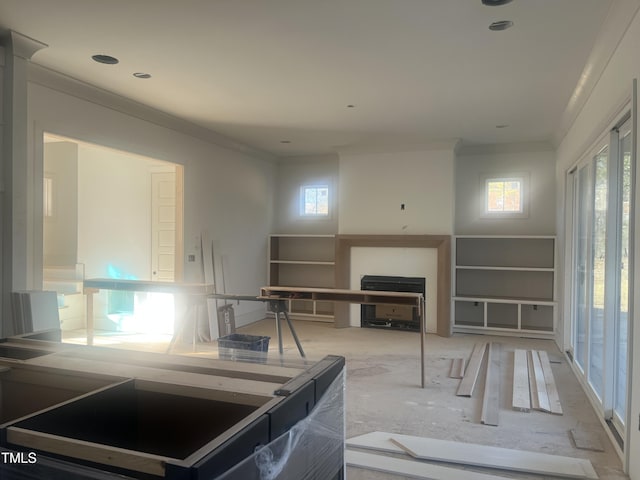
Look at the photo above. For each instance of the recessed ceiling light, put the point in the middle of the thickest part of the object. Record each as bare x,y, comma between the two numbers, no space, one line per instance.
106,59
501,25
495,3
142,75
285,141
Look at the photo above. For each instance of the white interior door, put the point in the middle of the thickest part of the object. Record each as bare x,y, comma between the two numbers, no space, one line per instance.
163,226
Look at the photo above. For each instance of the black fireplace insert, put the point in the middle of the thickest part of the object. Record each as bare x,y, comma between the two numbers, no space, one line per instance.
391,317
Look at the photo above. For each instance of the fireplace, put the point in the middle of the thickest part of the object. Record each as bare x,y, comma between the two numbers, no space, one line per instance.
391,317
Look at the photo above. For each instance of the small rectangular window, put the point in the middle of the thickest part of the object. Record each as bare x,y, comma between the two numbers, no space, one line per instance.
504,195
314,201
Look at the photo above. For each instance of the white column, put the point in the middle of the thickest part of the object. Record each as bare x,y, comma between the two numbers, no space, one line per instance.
16,188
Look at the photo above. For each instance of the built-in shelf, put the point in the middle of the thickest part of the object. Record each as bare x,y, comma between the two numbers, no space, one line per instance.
303,261
505,284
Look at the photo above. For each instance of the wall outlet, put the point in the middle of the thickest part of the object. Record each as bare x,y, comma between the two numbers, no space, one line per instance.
191,257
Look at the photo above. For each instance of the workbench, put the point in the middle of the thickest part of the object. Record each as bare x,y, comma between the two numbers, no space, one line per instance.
276,294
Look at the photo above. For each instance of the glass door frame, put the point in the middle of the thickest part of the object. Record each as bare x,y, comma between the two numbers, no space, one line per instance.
604,403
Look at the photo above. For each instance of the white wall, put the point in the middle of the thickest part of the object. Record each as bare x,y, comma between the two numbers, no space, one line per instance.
471,169
227,193
612,91
374,185
294,172
59,230
114,205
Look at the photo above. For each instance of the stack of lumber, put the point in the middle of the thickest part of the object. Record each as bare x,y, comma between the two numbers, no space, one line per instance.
534,387
34,311
419,451
491,397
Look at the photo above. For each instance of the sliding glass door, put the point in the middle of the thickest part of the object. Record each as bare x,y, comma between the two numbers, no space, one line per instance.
601,271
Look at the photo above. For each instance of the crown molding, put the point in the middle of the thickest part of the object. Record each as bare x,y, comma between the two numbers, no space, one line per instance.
62,83
614,27
23,46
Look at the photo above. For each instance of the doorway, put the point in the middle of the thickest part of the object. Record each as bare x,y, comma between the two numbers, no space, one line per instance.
110,214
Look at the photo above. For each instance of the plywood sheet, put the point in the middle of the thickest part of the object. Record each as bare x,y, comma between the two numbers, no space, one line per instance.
586,440
476,455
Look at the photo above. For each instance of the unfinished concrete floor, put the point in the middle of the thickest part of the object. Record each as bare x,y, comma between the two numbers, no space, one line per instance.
383,392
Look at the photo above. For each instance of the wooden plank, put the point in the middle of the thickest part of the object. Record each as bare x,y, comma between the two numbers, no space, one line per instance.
457,368
550,383
340,295
520,398
491,397
93,452
532,382
541,387
236,390
413,469
494,457
468,383
195,363
378,441
476,455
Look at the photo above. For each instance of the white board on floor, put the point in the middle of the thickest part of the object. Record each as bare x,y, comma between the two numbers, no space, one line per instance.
468,382
477,455
491,397
457,368
541,386
411,468
550,383
520,399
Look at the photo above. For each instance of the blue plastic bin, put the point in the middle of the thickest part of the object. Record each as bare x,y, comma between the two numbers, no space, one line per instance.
238,346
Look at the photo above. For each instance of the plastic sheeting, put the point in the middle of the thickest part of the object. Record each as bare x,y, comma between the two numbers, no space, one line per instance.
313,449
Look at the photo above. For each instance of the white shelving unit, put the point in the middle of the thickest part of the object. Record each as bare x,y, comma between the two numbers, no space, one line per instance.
505,284
303,261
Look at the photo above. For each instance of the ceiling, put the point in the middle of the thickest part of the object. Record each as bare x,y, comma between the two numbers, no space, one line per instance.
264,72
